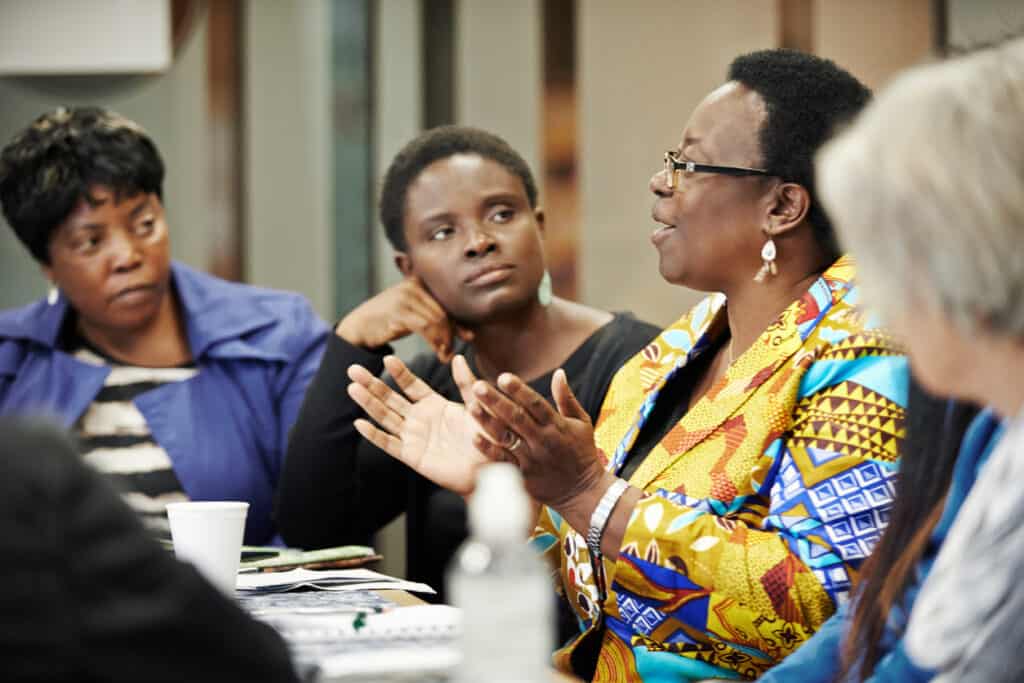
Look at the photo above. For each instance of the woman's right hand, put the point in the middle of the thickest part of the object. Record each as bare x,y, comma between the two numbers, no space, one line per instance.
400,310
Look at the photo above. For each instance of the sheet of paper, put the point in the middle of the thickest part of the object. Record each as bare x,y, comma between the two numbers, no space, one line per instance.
331,579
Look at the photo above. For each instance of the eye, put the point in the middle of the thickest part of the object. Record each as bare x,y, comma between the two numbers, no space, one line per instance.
145,226
503,215
86,244
442,233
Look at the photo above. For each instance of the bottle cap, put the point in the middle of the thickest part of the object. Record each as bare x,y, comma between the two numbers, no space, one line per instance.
500,507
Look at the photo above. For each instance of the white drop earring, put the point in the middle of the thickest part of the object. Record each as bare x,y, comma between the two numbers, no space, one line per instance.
53,296
768,254
544,294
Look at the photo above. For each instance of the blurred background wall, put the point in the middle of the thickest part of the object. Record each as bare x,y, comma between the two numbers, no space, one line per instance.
276,119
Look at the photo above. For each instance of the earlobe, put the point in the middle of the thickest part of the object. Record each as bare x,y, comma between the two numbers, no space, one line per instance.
538,214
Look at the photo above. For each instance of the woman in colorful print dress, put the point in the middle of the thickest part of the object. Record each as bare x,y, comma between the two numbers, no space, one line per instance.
741,467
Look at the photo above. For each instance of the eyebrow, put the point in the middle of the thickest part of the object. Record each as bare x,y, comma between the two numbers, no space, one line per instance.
139,207
502,197
99,226
433,219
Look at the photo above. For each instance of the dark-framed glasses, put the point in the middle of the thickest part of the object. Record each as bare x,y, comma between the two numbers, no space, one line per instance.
674,163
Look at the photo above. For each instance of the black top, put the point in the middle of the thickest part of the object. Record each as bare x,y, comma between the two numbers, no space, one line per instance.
337,488
87,595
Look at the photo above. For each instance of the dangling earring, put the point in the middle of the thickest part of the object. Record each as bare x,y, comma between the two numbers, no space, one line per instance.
768,254
544,290
53,296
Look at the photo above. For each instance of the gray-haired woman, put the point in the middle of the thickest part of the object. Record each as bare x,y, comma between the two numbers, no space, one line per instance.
927,189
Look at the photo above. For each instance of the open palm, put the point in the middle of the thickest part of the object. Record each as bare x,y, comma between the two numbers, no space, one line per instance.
430,434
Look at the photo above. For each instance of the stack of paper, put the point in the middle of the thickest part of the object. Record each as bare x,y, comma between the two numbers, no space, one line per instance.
333,579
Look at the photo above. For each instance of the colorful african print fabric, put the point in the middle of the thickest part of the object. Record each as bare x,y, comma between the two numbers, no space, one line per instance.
760,504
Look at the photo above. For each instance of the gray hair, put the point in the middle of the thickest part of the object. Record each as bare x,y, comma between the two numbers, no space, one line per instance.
927,189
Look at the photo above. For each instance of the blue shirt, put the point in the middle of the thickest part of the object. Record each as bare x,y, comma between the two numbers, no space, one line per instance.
819,660
225,430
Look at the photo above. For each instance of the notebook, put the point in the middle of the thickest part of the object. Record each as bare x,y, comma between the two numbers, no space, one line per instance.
420,642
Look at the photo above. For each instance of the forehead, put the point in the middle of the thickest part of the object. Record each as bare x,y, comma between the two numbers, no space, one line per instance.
726,125
459,178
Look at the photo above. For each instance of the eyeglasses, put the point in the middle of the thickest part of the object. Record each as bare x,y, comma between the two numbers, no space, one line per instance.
673,164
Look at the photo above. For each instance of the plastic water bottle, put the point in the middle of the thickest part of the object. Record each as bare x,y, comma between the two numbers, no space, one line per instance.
502,586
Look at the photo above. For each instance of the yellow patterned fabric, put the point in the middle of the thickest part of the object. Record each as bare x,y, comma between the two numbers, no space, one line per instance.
759,505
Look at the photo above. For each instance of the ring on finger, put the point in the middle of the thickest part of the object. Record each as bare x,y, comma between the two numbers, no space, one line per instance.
512,440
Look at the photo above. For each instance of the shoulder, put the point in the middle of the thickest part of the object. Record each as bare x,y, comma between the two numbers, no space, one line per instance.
37,321
54,456
847,331
626,331
272,320
209,291
848,346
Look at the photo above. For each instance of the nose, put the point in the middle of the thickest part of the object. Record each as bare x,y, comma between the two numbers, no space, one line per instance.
124,252
659,184
479,243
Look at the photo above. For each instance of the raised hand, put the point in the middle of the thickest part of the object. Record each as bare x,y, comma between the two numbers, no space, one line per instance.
554,449
400,310
432,435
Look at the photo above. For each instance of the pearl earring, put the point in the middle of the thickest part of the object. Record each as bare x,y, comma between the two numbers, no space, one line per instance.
53,296
768,254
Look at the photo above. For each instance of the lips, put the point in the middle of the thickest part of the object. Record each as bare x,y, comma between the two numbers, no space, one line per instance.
134,292
663,230
489,274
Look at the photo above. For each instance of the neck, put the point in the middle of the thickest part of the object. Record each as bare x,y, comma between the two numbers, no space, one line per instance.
753,306
159,342
514,343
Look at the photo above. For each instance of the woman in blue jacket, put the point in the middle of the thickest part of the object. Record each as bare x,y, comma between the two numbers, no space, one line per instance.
177,384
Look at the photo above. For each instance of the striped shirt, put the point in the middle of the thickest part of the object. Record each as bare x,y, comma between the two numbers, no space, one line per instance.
115,439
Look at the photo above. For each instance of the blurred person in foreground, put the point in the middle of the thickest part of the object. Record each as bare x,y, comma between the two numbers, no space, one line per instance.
461,210
741,467
86,594
926,189
177,384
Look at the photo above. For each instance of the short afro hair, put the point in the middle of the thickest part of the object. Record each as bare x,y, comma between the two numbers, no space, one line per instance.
51,165
807,99
434,145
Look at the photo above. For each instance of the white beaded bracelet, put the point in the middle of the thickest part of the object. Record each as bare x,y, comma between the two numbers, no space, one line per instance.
599,518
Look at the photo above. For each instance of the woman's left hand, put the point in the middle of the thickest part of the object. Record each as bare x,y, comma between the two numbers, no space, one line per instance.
554,449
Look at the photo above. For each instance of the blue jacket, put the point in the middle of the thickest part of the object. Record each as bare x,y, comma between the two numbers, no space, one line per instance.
819,660
225,430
